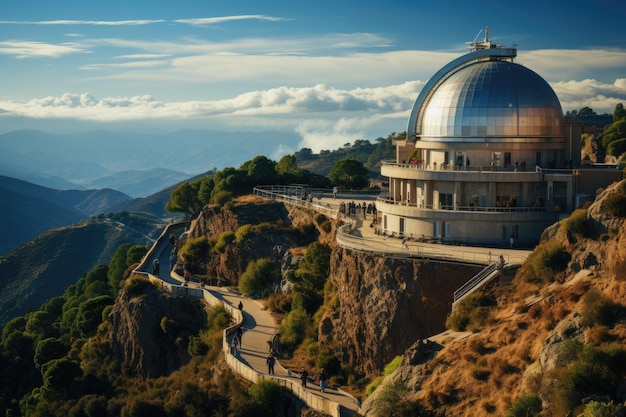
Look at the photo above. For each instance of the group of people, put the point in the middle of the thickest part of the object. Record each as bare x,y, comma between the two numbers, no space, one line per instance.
304,375
352,209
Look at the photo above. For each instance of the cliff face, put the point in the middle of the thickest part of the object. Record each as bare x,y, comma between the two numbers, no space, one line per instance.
141,339
387,304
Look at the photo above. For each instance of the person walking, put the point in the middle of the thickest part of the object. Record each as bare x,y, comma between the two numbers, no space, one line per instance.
240,336
304,376
233,346
271,360
240,306
322,377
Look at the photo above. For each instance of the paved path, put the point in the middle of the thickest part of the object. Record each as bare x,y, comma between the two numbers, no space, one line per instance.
258,328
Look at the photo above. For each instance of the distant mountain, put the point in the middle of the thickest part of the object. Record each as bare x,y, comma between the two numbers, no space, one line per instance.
86,202
86,158
23,217
30,209
43,267
139,183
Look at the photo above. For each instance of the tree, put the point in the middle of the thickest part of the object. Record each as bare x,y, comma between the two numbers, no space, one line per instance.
586,111
261,170
49,349
258,278
184,199
316,262
59,376
206,188
349,173
619,113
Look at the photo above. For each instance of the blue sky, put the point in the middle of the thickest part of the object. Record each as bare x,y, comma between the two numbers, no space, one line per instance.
330,71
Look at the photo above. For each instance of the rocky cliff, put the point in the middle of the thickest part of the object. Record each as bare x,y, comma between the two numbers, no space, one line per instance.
146,329
386,304
274,229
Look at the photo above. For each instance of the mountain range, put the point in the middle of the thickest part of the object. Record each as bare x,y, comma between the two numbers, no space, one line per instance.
134,163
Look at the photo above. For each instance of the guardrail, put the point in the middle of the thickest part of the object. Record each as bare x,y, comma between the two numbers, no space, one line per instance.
479,279
292,195
345,239
313,401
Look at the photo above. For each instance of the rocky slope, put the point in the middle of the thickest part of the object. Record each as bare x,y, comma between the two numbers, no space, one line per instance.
274,229
387,304
144,330
518,350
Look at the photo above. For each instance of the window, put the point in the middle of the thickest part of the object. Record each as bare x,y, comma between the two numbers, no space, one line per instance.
446,201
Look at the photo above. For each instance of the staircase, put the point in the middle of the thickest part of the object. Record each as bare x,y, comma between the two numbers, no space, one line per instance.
481,279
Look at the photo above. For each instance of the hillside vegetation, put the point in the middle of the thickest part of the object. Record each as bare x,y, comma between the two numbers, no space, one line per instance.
43,267
553,341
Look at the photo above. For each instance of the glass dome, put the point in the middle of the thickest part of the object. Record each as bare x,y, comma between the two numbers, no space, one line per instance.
492,99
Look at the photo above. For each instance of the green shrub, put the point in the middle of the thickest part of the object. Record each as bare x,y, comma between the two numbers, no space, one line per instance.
394,401
222,197
578,223
392,366
598,409
596,369
218,318
269,398
471,312
598,308
137,286
548,259
528,405
388,370
259,277
294,328
223,241
245,232
197,346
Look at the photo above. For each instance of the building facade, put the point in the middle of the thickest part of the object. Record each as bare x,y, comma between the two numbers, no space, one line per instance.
488,156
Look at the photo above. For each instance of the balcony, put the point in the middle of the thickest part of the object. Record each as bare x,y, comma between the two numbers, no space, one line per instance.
443,172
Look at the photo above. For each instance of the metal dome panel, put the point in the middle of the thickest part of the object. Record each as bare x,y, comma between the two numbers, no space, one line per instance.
492,98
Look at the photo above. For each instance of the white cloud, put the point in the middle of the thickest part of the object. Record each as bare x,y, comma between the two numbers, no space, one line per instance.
140,22
590,93
213,20
23,49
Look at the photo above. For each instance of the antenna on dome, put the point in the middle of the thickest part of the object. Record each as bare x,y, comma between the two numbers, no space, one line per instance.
485,44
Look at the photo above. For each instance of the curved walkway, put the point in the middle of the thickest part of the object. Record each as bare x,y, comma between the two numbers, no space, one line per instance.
258,327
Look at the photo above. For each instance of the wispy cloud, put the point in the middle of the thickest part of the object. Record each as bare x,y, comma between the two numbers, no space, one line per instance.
24,49
213,20
140,22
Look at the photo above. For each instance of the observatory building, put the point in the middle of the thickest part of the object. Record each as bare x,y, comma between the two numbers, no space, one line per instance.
488,156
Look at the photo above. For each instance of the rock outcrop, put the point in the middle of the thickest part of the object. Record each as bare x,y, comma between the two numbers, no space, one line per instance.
149,332
388,303
275,231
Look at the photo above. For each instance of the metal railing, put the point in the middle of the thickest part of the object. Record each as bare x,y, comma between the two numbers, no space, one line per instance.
479,280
